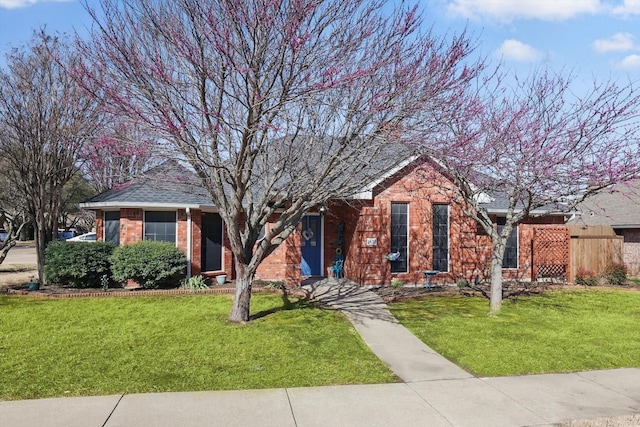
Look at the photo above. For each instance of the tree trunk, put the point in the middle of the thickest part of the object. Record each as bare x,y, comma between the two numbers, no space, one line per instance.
41,244
242,300
495,303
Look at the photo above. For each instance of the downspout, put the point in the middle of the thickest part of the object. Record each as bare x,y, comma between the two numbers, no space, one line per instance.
189,248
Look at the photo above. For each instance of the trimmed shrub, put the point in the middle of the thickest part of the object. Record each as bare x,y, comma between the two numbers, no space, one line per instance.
79,264
150,264
586,277
615,274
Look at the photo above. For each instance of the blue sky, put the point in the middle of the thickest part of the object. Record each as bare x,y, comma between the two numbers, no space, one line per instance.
592,37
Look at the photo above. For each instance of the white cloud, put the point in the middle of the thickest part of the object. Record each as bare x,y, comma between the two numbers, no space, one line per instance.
619,42
628,7
509,10
15,4
515,50
631,62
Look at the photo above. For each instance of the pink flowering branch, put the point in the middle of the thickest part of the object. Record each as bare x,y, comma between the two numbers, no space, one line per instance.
294,101
538,145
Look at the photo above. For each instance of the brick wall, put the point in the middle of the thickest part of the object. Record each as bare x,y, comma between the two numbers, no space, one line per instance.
131,231
196,242
421,187
99,225
367,236
631,251
131,226
284,263
181,237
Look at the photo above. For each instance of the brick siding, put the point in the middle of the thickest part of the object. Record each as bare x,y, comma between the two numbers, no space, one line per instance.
631,251
368,221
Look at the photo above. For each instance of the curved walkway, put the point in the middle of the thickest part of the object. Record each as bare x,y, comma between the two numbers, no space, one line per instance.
408,357
435,392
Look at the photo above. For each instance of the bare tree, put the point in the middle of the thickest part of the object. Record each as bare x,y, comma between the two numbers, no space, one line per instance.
538,146
13,214
122,152
277,105
47,118
75,191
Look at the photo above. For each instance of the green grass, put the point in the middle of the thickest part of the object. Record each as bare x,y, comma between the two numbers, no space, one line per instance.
555,332
98,346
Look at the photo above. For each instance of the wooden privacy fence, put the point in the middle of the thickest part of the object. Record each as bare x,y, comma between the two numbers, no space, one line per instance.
593,248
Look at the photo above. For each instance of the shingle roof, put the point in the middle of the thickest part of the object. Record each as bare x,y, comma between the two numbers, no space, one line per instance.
618,207
173,185
167,185
499,202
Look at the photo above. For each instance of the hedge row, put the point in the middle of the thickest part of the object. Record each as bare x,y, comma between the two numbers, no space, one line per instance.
148,263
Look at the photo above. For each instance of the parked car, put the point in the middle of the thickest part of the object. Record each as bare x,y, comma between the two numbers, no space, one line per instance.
87,237
65,234
3,234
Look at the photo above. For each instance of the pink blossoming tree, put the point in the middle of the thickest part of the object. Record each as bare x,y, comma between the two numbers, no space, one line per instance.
539,146
121,153
278,105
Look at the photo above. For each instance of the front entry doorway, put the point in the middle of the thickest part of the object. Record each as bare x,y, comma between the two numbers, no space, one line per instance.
211,248
311,245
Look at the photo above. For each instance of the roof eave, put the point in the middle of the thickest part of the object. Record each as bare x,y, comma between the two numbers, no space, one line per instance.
367,194
533,212
624,226
131,205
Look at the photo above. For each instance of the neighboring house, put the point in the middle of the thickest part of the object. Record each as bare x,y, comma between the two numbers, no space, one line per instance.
618,208
409,211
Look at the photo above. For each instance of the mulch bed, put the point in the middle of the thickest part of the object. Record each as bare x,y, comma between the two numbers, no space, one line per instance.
388,293
55,291
511,289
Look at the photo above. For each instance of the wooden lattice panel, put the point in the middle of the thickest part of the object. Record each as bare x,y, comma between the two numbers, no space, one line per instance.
551,252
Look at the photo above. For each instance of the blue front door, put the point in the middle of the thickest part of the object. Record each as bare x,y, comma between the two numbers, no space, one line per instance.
311,245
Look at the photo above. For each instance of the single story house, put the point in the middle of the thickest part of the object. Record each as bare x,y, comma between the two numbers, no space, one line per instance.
619,208
409,212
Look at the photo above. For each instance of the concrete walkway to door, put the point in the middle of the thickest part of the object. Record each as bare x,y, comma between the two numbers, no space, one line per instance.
407,356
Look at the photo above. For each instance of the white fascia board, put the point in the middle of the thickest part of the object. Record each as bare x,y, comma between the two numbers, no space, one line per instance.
363,195
482,197
144,205
367,194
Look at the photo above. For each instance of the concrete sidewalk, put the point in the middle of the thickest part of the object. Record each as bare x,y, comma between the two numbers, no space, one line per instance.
536,400
435,392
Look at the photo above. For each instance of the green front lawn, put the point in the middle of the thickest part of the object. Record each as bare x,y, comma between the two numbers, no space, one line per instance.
98,346
556,332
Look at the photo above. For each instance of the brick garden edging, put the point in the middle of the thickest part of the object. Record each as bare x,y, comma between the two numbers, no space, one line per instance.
150,292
